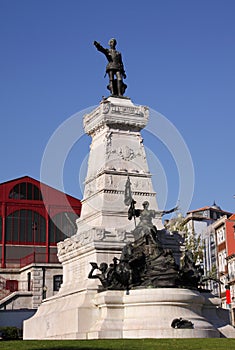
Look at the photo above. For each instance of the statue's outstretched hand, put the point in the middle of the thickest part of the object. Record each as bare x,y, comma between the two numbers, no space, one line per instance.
94,265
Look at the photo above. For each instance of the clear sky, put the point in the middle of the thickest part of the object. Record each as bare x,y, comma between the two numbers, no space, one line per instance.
179,57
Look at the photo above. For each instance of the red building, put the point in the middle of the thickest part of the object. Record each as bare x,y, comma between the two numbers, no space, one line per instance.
230,235
33,218
225,244
230,238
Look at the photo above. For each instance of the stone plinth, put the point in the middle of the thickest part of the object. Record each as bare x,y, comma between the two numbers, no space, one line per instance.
143,313
67,316
148,313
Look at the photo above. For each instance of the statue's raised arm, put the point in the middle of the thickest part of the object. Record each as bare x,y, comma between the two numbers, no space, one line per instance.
164,212
114,69
100,47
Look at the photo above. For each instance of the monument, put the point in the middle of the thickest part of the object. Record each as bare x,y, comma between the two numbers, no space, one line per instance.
124,275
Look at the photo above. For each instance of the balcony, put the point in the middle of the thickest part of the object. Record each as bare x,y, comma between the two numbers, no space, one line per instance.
32,258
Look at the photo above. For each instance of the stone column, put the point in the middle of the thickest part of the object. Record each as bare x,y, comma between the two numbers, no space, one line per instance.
116,151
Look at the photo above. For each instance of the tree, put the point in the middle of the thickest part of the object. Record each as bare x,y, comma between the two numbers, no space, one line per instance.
192,242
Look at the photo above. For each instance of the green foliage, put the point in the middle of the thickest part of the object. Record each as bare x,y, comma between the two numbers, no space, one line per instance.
177,224
193,243
10,333
121,344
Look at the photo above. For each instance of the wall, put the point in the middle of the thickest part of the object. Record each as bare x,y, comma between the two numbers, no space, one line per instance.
15,317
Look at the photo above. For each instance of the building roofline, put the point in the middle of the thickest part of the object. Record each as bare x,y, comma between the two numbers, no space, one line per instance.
40,184
209,208
17,179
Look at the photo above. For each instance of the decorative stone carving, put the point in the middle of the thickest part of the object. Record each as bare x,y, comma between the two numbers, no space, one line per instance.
89,190
126,153
121,235
99,234
108,139
106,106
117,112
68,245
126,110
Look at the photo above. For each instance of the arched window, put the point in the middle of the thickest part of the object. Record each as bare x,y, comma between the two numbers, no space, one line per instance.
63,225
26,190
25,227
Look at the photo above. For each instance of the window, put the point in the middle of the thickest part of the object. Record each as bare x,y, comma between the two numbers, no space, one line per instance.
25,226
220,235
222,260
212,239
29,280
26,190
62,225
57,281
12,285
223,279
231,271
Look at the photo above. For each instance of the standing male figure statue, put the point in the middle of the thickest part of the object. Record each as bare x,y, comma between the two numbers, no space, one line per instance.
114,68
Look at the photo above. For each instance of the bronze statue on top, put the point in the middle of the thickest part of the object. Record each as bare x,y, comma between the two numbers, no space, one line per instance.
114,68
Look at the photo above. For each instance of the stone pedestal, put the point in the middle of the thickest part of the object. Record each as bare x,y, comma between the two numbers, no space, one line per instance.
143,313
148,313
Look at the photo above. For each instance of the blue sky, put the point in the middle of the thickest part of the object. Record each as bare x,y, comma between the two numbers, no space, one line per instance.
179,57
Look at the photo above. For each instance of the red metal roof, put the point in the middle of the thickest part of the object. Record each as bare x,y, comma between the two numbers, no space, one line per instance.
50,194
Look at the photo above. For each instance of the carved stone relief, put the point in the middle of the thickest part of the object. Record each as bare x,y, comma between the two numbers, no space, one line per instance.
121,235
68,245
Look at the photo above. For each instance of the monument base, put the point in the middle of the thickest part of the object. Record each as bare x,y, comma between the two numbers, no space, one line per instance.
139,313
148,313
67,317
